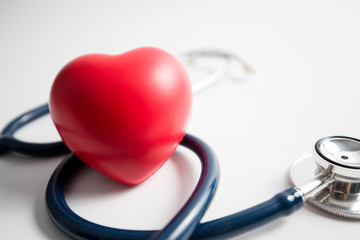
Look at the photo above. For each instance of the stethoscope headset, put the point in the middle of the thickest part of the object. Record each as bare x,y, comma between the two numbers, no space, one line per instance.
333,189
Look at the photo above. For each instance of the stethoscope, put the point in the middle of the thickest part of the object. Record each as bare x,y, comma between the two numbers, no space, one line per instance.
333,189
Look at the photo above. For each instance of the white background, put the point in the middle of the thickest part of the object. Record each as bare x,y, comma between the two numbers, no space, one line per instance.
306,86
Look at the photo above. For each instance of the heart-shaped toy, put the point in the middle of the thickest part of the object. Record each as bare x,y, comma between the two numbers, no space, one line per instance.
123,115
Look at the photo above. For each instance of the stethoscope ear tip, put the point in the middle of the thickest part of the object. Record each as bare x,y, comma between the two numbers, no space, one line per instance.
249,69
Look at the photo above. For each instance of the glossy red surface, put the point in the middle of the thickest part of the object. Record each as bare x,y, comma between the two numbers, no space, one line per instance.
123,115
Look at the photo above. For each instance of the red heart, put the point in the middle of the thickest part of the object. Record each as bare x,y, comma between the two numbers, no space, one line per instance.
123,115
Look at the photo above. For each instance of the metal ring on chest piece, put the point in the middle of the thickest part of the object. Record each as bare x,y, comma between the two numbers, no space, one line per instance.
335,163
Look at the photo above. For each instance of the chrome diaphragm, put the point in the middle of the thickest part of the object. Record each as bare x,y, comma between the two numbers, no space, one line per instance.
335,176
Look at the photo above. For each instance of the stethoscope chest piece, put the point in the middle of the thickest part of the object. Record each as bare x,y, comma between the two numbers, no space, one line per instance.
334,168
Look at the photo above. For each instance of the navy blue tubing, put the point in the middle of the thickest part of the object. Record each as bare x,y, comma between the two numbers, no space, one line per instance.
185,224
9,142
182,225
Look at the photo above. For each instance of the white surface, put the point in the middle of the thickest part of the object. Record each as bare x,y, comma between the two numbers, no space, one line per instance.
306,86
